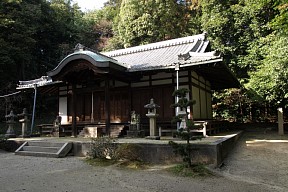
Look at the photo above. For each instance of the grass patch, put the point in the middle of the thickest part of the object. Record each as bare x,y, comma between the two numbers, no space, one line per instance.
100,162
197,170
137,165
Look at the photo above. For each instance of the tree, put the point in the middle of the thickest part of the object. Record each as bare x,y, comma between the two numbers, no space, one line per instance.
245,31
269,77
33,34
185,127
142,22
97,26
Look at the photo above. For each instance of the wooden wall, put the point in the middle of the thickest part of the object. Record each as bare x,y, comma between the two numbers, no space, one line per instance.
126,97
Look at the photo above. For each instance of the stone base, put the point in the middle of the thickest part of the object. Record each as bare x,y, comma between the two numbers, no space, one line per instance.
58,134
10,135
24,136
153,137
91,131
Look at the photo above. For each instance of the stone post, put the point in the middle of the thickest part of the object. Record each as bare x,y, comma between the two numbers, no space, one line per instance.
280,122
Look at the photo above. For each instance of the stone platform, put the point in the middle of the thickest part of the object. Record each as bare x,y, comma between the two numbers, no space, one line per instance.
210,150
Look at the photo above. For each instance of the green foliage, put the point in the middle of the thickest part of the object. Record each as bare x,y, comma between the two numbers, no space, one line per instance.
34,36
232,105
280,21
103,148
253,37
268,77
269,80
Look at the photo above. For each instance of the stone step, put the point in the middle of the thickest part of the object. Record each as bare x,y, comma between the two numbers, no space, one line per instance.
45,144
44,149
41,149
37,154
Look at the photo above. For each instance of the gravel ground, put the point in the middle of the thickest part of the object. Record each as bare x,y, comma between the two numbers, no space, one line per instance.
259,167
260,157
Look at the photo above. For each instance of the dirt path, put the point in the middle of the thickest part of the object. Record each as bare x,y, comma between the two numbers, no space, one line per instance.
260,157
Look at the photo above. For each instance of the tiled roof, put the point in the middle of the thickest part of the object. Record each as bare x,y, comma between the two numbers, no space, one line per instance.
165,54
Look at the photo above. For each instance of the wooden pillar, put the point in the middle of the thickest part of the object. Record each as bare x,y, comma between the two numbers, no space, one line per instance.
190,92
107,106
74,118
92,107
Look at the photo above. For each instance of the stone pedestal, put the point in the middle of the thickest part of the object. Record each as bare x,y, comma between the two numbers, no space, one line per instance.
134,127
10,133
152,124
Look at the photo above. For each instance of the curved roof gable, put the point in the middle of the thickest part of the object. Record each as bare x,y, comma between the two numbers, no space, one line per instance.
96,59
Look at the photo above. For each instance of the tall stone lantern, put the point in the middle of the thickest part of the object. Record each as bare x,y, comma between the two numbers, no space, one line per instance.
10,122
152,115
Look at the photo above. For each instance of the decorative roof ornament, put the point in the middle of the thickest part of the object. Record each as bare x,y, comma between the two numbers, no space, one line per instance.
205,35
183,57
79,47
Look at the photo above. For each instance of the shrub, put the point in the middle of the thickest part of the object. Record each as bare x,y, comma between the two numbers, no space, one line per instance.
103,148
3,140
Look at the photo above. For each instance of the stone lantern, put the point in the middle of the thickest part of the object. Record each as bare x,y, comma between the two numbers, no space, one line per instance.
152,115
10,122
24,121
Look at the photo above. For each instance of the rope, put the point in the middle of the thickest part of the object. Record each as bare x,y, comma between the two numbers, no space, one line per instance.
11,94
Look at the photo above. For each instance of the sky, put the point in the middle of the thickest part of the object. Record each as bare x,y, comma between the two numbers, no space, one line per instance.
90,4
